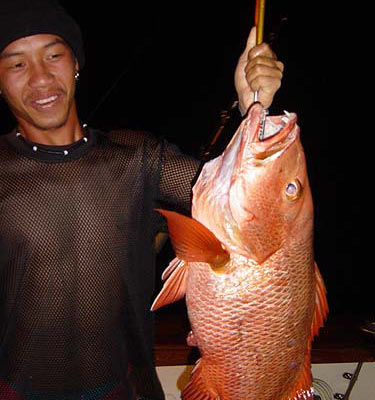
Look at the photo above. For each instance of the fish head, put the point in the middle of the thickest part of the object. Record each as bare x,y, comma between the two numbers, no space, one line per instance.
256,195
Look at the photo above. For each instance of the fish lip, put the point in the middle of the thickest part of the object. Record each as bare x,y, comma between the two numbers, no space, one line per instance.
279,132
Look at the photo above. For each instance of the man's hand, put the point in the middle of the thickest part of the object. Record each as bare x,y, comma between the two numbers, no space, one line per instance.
257,70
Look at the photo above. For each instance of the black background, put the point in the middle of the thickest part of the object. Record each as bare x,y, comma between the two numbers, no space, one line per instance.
168,67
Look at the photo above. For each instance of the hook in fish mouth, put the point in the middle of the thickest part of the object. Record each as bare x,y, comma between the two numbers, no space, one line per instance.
279,132
275,124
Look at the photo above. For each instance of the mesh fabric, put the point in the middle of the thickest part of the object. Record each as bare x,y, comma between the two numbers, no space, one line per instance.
76,264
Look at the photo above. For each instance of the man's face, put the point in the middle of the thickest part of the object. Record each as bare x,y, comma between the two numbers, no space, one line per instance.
37,80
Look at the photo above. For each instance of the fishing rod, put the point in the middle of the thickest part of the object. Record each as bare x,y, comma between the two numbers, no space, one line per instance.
230,112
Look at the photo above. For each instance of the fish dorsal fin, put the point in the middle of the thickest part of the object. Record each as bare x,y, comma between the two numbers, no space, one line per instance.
301,389
321,304
192,241
175,285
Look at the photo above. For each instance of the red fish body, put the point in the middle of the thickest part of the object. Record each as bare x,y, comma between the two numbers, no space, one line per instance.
245,262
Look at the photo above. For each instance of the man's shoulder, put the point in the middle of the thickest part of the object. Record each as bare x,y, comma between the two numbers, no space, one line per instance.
131,137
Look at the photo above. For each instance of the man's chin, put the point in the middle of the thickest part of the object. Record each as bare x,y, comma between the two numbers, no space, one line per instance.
50,126
47,124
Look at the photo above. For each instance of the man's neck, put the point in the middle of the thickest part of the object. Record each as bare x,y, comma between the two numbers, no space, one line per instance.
54,137
70,132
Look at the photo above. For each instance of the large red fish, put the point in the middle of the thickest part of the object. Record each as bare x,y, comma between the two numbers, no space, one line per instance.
245,262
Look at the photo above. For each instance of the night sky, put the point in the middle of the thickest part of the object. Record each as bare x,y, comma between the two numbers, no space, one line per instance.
167,67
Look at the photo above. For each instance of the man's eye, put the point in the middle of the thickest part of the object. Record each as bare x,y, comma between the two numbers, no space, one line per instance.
55,56
18,65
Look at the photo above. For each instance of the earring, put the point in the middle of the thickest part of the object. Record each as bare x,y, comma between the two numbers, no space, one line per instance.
76,75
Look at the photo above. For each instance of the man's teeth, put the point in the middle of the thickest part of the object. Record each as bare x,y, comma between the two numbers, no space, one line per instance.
47,100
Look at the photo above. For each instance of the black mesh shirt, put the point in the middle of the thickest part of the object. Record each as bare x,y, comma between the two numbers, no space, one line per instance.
77,263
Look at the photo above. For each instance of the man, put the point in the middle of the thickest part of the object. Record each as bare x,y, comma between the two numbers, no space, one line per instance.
76,219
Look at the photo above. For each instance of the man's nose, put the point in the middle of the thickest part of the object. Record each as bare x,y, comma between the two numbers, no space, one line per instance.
40,76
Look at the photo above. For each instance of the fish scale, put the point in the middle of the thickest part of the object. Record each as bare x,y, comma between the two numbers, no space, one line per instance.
257,327
254,295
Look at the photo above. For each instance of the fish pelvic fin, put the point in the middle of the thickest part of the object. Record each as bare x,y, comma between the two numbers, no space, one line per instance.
174,287
321,304
193,242
197,388
191,340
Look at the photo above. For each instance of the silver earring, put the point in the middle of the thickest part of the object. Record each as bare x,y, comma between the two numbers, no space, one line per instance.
76,75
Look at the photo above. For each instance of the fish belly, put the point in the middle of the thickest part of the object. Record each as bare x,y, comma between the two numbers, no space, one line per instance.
252,328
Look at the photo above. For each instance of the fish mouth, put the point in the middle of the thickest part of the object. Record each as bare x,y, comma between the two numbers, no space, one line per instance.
278,132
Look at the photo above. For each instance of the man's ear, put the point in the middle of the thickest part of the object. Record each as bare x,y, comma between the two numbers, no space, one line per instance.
76,64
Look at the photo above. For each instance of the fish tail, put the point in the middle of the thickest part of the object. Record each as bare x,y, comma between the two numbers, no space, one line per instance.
197,388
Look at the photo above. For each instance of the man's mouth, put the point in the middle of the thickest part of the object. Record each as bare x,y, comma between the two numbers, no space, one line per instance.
46,100
43,103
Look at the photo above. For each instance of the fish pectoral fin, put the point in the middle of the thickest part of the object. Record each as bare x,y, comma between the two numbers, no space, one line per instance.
192,241
197,388
174,287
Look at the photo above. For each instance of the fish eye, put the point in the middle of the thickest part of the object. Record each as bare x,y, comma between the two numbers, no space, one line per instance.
293,190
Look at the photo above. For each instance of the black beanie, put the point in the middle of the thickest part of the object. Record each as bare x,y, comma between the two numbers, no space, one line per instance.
21,18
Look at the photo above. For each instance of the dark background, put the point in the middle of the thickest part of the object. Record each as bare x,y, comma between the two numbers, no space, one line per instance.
168,67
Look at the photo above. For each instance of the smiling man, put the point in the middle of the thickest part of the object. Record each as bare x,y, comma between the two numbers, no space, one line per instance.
38,81
77,219
42,52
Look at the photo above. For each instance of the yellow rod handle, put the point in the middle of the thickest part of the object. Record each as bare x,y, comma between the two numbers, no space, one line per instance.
259,19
